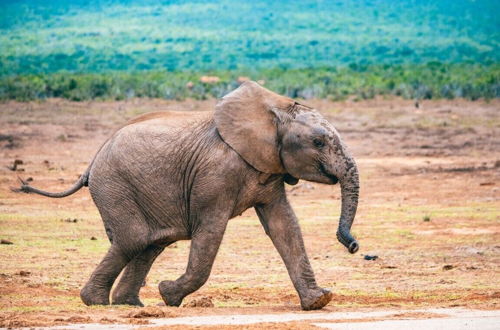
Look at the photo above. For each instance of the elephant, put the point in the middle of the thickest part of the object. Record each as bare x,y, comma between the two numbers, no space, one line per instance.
169,176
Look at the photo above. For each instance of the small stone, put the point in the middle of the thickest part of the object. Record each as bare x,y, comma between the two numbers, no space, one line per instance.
147,312
200,302
209,79
242,79
73,220
15,164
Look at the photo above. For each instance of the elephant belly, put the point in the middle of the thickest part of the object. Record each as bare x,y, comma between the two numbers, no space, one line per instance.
155,180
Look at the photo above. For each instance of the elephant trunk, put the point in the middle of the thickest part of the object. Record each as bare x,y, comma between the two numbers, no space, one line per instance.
349,184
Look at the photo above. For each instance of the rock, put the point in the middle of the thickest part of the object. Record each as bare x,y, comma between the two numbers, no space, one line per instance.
368,257
448,267
93,238
242,79
15,164
146,312
209,79
74,319
12,141
200,302
5,137
105,320
6,241
138,321
74,220
78,319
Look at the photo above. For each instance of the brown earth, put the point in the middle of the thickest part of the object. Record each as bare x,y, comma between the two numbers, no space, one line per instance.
429,210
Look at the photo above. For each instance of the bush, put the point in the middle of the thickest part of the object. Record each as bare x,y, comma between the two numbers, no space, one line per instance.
424,81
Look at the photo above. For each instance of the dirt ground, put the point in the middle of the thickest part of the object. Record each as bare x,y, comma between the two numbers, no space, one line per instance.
429,210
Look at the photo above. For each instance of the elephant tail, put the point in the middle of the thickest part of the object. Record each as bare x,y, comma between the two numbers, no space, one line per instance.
26,188
83,181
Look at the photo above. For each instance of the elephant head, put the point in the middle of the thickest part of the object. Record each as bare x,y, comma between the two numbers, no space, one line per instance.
276,135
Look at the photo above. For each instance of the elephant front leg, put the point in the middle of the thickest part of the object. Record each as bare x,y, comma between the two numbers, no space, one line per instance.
281,225
204,246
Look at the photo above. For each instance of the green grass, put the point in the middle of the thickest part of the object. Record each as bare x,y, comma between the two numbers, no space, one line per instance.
414,213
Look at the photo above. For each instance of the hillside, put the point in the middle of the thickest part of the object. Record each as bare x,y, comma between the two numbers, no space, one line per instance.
329,49
90,36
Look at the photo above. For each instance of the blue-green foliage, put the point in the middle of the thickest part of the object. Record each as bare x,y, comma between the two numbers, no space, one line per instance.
102,49
432,80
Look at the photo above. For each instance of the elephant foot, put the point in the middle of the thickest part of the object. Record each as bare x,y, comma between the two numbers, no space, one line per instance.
127,300
94,296
316,300
169,293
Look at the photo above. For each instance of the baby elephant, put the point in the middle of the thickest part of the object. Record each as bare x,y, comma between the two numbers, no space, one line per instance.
169,176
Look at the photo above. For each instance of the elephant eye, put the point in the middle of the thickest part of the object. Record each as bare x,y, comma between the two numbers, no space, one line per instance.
318,143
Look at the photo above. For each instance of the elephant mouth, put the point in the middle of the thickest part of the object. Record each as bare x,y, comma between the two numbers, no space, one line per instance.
332,177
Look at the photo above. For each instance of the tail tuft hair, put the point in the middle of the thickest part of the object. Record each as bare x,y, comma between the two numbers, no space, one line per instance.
25,188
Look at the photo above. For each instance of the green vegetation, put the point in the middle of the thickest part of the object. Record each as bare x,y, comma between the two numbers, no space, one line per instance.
117,49
432,80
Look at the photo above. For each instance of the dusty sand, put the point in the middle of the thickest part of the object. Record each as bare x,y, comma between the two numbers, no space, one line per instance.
429,209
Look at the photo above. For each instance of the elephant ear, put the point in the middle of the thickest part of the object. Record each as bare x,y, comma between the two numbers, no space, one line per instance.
247,120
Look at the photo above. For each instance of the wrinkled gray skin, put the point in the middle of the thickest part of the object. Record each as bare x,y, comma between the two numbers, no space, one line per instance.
164,178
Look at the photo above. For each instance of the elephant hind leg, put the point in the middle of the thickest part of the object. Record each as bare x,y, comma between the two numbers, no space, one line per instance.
96,291
129,235
127,290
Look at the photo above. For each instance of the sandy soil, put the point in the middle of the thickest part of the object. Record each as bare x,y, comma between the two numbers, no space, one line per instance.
429,209
438,318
